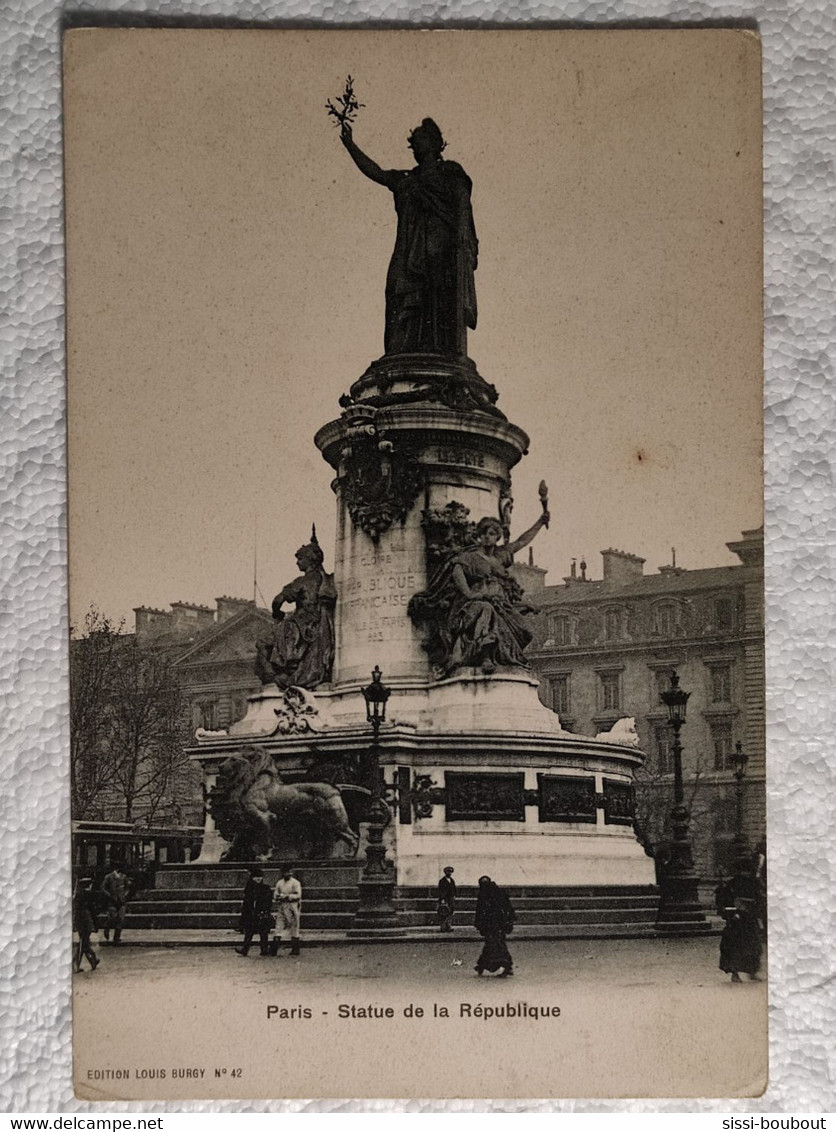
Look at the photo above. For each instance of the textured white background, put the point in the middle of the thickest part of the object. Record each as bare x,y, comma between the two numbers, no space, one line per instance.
800,404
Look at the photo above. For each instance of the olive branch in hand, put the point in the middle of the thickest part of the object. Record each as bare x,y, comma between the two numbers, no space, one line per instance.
345,110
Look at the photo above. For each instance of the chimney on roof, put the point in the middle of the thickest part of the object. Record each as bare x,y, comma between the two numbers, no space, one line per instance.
150,623
188,619
621,567
573,578
529,576
231,606
673,568
749,549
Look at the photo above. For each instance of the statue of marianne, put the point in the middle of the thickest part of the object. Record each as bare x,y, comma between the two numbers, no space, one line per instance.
430,291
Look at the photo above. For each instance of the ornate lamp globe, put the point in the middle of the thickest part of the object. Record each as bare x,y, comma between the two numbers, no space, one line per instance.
376,694
676,701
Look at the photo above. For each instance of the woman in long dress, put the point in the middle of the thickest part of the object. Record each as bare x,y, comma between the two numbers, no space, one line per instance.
494,921
740,943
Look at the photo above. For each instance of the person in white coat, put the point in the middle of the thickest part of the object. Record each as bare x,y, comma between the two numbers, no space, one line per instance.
287,903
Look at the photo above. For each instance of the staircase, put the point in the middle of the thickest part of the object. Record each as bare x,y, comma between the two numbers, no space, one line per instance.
208,897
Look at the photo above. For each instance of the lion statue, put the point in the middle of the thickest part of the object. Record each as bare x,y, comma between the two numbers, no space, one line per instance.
261,816
623,731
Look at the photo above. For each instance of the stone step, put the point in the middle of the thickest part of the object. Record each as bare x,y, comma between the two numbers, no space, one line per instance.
547,900
344,919
178,895
320,899
236,876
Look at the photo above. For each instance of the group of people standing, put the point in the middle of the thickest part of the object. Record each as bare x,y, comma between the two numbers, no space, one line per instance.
265,908
114,893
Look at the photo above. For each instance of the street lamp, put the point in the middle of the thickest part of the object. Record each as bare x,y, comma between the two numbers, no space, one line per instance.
679,906
376,913
741,852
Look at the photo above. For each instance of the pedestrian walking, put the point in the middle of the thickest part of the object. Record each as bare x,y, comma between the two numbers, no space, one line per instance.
287,901
84,923
446,900
494,921
256,915
740,943
116,888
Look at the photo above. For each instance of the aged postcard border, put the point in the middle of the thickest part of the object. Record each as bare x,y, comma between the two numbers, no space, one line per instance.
788,435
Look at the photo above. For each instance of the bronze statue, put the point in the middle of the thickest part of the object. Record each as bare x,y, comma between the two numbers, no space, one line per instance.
430,290
473,606
261,816
300,652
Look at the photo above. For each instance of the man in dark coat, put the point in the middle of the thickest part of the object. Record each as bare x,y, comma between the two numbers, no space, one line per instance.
84,923
494,921
116,887
256,916
446,900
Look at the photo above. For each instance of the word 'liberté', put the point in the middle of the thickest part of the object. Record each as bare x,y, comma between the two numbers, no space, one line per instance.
478,1010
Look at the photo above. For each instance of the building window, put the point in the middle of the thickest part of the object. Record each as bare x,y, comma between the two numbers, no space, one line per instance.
560,629
663,749
721,683
612,624
661,682
610,691
664,621
205,715
724,614
559,694
721,739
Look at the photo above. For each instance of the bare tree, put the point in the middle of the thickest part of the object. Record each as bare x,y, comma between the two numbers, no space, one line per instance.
91,667
654,802
147,732
126,718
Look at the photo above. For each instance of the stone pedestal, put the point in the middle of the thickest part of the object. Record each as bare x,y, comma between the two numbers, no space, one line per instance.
478,774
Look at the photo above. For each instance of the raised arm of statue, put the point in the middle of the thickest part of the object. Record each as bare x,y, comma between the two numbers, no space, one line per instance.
529,535
364,163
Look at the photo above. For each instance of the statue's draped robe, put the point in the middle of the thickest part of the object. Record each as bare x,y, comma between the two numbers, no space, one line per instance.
430,289
487,627
302,652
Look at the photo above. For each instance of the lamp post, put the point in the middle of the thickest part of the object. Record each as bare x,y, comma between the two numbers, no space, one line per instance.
679,907
741,853
376,914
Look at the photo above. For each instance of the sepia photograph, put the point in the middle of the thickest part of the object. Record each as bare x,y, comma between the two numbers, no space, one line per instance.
417,720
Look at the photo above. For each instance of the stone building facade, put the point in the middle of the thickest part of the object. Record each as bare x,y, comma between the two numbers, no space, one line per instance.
214,654
604,649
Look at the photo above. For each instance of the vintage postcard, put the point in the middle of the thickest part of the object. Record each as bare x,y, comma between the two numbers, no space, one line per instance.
416,558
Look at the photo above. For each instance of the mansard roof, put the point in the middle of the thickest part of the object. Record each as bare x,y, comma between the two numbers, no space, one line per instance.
658,586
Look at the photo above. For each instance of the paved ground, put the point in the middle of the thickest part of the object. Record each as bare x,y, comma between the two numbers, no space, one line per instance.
192,937
600,962
636,1018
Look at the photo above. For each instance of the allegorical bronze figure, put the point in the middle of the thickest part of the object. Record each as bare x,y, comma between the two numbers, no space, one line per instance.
300,653
430,290
473,608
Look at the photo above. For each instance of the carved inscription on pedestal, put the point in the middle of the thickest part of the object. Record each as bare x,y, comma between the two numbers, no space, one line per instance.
462,457
377,602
